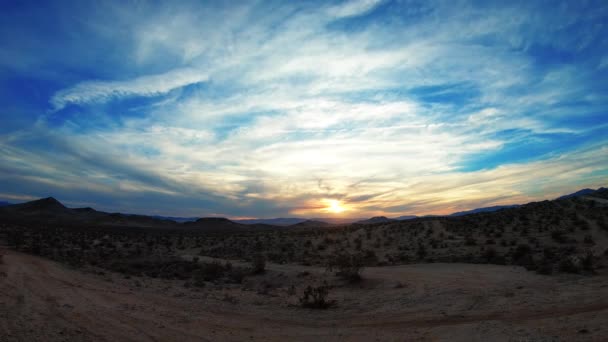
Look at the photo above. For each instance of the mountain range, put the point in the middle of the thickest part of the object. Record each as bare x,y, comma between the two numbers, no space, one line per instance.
49,211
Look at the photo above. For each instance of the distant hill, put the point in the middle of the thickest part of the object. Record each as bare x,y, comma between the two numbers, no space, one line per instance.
215,224
406,217
44,210
280,221
51,211
484,210
601,193
337,220
175,218
310,223
375,219
4,204
41,205
582,192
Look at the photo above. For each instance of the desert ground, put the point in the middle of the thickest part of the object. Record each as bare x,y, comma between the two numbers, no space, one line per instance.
42,300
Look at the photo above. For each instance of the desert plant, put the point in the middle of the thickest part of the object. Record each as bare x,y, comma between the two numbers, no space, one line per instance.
199,278
421,252
588,262
258,263
558,236
316,298
346,266
236,275
570,264
470,241
545,266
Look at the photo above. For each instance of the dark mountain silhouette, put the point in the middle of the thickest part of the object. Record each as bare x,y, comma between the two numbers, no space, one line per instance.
4,204
48,204
310,223
213,222
337,220
280,221
582,192
45,210
217,224
600,193
84,210
484,210
375,219
175,218
51,211
405,217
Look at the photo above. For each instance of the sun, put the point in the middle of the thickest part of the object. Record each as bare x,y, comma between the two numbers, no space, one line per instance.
335,206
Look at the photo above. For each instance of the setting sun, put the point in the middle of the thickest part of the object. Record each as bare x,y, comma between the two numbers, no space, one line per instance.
335,206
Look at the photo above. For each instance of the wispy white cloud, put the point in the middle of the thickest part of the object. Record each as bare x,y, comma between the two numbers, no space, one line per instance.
149,85
353,8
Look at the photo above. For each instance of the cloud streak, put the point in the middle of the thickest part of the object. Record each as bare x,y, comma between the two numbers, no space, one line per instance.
149,85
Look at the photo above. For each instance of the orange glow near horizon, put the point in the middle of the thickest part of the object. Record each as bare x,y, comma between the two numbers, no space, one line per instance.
334,206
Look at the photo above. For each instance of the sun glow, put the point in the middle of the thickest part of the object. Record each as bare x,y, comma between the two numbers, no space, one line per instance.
335,206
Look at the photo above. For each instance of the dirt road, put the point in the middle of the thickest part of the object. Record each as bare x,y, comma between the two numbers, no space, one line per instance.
41,300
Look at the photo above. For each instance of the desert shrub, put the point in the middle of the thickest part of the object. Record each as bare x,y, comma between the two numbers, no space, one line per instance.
236,275
558,236
316,298
369,257
258,263
421,252
570,264
490,255
522,250
211,270
588,262
549,253
545,266
523,256
230,299
346,266
470,241
199,278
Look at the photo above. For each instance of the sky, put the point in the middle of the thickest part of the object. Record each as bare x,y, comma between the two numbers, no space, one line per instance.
302,108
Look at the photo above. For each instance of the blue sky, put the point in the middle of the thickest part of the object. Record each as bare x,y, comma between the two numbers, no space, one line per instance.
266,109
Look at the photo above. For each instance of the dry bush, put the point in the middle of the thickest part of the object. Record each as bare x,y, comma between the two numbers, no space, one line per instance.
347,266
316,298
258,263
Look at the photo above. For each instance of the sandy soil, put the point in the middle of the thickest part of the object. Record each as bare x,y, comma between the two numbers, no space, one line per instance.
41,300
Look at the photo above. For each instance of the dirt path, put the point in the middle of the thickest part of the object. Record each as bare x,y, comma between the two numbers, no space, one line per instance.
42,300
